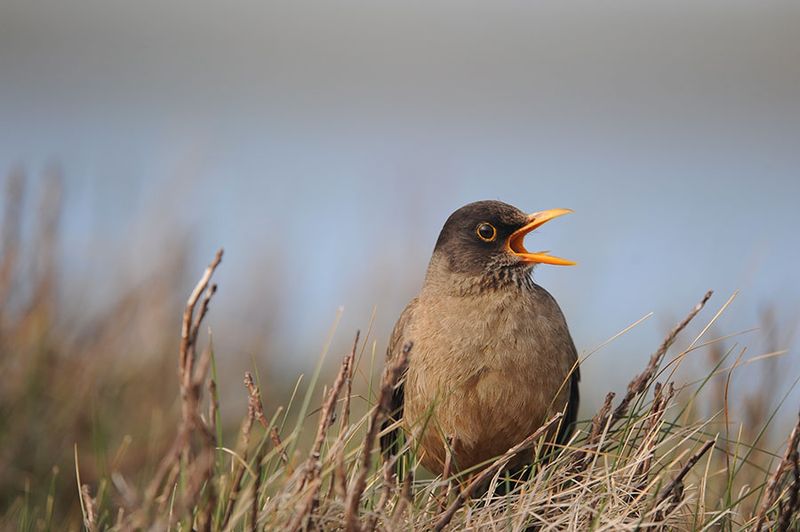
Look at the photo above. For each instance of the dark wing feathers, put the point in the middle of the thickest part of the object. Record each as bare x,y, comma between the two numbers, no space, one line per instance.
389,440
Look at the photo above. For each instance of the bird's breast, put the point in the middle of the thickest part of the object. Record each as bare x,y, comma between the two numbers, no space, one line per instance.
485,369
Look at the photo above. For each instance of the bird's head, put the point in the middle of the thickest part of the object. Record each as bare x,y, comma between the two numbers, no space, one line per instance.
487,238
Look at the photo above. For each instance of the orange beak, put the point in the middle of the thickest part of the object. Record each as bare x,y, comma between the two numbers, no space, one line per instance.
516,245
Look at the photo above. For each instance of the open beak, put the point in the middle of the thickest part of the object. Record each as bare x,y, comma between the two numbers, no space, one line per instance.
516,240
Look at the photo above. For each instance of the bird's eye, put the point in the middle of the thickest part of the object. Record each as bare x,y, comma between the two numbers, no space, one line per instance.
486,232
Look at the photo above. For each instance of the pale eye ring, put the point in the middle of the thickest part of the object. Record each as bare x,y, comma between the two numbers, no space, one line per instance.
486,231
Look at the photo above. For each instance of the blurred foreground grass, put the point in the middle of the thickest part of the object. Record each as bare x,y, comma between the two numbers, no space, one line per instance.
98,404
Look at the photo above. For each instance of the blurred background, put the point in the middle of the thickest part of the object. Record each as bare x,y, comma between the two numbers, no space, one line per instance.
324,144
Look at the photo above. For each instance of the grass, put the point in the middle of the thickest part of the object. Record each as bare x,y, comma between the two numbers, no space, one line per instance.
668,454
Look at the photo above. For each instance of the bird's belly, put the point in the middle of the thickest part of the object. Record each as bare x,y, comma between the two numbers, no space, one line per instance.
484,413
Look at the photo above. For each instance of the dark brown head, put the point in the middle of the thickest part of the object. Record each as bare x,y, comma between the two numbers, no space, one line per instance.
485,238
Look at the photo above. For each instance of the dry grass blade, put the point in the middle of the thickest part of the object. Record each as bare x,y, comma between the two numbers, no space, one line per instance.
405,499
254,399
483,477
655,417
90,520
639,384
583,456
788,512
192,422
674,486
339,473
348,390
313,466
391,376
326,416
84,497
772,491
599,420
386,493
244,446
254,503
450,441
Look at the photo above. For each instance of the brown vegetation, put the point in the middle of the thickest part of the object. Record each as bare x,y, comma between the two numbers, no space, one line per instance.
652,461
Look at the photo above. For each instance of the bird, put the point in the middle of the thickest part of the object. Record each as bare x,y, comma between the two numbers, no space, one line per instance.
492,357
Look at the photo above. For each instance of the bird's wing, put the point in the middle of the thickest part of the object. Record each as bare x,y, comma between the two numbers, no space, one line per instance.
396,342
571,413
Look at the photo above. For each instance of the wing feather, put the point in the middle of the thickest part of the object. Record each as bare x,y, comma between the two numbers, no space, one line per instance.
389,440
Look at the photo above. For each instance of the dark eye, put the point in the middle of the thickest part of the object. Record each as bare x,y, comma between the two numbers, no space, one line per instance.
486,232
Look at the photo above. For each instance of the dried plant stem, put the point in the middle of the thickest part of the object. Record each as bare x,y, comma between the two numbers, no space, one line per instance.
339,473
391,376
483,477
313,466
258,410
674,489
598,421
386,493
191,380
238,472
639,384
771,493
300,519
662,395
90,519
789,511
405,498
213,405
254,504
446,471
348,390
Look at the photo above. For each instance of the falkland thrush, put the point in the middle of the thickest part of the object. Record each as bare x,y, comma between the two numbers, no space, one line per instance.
492,356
